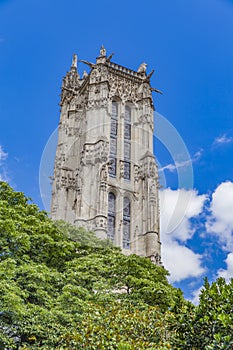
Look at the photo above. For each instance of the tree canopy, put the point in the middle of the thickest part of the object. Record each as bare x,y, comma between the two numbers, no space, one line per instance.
63,288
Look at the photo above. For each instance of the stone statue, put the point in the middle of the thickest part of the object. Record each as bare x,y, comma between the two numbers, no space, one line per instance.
142,68
102,51
104,172
74,61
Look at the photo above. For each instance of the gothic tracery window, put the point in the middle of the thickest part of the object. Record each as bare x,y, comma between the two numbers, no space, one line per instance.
111,215
126,223
127,142
113,139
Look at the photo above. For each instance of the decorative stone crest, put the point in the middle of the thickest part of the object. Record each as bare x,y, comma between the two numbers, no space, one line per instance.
95,152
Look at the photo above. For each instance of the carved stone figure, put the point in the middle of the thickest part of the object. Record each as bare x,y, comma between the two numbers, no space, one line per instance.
74,61
102,51
104,173
142,68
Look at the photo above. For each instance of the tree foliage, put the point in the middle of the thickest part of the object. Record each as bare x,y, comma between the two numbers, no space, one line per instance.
63,288
209,325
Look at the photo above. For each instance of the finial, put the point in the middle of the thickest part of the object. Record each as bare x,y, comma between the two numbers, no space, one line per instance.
102,50
142,68
74,61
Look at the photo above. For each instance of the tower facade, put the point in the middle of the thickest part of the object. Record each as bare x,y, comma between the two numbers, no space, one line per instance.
105,173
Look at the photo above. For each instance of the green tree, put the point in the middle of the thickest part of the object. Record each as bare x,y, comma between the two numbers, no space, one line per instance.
62,288
208,326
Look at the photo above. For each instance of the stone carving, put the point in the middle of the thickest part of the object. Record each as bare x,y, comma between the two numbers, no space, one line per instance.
60,160
101,222
96,104
104,173
146,119
122,168
80,102
148,168
110,57
146,91
142,68
153,191
99,74
93,223
136,173
126,89
70,85
102,51
68,179
95,152
74,61
98,90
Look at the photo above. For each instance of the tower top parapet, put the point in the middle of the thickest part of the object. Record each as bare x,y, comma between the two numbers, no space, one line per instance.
125,70
104,70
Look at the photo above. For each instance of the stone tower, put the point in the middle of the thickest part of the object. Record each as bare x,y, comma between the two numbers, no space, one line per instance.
105,173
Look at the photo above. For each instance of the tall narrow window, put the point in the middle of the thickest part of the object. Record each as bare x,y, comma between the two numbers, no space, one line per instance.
113,139
111,215
126,223
127,142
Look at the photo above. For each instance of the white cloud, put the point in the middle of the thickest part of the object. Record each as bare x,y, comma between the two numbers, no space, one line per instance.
3,155
181,261
182,164
177,208
222,139
228,272
4,175
196,295
220,220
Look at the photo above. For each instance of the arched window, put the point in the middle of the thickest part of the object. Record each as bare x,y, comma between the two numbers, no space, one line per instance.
127,142
126,223
113,139
111,215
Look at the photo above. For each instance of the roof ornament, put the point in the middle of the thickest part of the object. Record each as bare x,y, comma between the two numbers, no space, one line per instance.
90,64
74,61
108,59
102,51
142,68
156,90
150,74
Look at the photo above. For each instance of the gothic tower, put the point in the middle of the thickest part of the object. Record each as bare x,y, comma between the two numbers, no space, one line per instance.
105,173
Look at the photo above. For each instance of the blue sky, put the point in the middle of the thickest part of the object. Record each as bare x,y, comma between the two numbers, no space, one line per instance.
189,44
